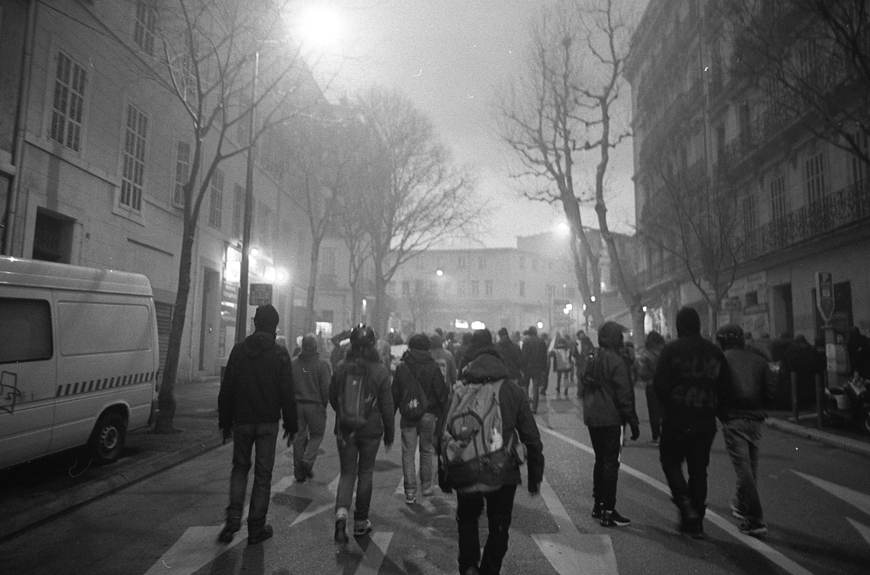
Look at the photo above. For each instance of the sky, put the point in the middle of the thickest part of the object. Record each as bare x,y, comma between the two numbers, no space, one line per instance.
450,57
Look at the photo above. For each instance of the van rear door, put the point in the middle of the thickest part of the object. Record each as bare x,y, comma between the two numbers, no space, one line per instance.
27,373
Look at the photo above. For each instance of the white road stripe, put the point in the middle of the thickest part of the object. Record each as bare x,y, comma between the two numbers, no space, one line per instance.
569,551
854,498
861,528
374,554
770,553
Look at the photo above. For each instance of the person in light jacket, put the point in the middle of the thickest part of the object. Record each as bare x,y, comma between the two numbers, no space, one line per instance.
311,375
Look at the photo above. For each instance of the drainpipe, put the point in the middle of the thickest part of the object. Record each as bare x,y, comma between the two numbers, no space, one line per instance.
20,128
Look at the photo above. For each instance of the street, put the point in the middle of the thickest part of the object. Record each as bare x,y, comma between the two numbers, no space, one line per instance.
816,499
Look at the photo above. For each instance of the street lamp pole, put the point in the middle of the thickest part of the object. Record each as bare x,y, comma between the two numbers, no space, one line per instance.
242,309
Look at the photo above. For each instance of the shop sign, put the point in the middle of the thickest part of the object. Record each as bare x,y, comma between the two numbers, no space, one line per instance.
825,295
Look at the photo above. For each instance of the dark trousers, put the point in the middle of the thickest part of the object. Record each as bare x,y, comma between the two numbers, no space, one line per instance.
247,436
655,410
688,442
538,382
605,473
356,458
499,509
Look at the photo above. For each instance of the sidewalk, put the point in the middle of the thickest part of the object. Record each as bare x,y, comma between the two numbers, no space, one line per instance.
35,492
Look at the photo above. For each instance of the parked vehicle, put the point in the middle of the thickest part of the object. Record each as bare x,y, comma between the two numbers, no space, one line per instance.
78,359
849,404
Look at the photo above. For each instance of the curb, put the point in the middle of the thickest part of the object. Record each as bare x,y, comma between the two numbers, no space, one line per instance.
17,522
844,443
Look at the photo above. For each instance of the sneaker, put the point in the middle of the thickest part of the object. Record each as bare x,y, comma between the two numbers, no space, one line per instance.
265,533
470,571
596,510
307,469
614,519
753,530
341,529
654,441
361,528
229,530
410,499
737,512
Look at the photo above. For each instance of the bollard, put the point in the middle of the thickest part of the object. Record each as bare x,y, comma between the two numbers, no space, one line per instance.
794,397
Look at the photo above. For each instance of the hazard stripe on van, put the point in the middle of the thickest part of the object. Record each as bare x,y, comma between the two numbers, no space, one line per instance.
80,387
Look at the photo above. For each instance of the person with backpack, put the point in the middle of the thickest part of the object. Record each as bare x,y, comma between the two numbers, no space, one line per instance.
507,420
647,361
420,396
256,390
608,404
562,363
360,395
311,374
581,352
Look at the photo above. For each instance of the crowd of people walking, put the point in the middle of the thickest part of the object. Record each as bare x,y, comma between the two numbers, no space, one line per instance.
688,384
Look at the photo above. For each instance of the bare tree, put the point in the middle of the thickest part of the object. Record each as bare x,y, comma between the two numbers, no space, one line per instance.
567,105
420,304
416,198
208,54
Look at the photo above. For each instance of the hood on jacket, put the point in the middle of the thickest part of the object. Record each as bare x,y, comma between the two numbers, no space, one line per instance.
258,342
487,366
308,354
688,322
610,335
417,356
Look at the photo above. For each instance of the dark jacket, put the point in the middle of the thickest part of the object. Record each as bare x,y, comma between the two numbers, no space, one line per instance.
693,382
610,399
535,354
257,386
513,357
419,364
311,376
753,385
515,413
381,421
646,363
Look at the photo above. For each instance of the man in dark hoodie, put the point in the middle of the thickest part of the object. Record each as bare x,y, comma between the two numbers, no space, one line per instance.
512,356
417,363
517,419
311,375
693,385
535,355
256,390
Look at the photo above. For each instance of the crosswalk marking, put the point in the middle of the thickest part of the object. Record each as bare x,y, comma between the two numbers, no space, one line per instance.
860,528
569,551
854,498
375,552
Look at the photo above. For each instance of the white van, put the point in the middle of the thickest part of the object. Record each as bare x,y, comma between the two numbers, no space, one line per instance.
78,359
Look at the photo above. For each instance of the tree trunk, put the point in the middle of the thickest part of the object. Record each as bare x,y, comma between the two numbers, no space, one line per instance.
166,398
310,316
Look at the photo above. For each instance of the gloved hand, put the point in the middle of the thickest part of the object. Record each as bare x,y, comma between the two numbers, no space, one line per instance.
635,431
227,432
289,437
534,488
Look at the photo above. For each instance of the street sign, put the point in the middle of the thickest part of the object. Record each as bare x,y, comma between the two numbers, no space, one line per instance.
260,294
825,295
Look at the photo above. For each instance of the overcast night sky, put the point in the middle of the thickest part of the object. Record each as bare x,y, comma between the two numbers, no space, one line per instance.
449,57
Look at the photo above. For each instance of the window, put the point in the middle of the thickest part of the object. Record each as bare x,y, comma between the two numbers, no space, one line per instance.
748,209
860,169
68,104
487,287
481,263
462,262
522,288
475,288
463,288
186,79
133,174
146,24
814,178
25,334
238,211
522,263
419,287
182,171
551,291
217,199
327,261
777,198
570,292
406,287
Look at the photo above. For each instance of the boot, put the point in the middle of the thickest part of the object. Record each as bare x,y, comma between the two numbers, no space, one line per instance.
690,520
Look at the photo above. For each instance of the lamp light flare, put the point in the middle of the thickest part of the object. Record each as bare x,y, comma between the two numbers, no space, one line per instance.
320,26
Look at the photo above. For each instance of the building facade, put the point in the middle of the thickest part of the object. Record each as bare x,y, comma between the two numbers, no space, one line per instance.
800,201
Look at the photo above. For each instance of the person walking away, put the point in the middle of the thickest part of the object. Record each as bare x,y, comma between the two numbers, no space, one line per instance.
417,364
517,421
608,403
561,363
512,356
693,386
311,376
358,447
628,355
444,359
581,352
753,389
256,390
535,356
647,361
477,341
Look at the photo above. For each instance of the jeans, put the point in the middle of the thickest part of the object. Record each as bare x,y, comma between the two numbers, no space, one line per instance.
263,437
312,426
742,437
425,431
605,473
655,411
356,456
538,381
499,509
689,442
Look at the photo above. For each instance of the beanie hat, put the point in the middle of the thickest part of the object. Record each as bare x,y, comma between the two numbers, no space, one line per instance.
610,335
435,341
481,338
688,322
503,332
419,342
309,342
730,336
266,318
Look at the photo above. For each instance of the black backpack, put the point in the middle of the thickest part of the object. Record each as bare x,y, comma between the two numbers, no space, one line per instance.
413,403
355,397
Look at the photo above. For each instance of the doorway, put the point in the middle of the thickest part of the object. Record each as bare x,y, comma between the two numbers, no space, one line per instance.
209,321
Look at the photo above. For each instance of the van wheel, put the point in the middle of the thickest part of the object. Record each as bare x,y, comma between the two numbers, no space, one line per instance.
107,440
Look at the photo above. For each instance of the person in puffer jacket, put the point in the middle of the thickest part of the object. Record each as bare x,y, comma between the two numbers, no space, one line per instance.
608,404
311,375
487,366
256,390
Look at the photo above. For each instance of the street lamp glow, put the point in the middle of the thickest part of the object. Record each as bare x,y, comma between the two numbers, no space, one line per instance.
439,273
563,228
320,26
